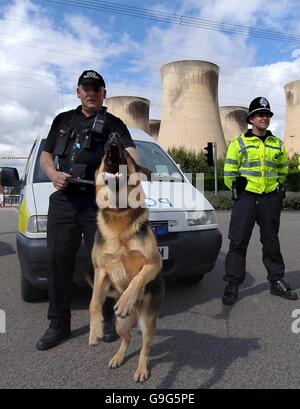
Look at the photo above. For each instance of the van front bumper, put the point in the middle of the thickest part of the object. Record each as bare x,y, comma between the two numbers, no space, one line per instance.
190,254
33,257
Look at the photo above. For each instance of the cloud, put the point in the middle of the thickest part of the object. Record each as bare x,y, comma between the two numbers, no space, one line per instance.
241,78
40,61
41,57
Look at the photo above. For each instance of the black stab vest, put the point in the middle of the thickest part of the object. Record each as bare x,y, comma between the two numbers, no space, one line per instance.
79,150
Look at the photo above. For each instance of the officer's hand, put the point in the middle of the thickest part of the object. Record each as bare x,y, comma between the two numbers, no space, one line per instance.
60,180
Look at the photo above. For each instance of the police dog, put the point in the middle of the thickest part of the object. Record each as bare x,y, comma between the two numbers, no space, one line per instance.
125,256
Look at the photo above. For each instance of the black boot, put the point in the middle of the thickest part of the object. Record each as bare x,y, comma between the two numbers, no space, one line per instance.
282,289
109,331
57,332
231,293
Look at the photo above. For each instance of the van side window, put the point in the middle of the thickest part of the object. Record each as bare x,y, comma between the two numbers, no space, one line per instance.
39,175
27,166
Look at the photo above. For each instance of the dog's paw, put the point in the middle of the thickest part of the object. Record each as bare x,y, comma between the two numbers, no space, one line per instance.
94,341
125,304
116,361
141,374
95,337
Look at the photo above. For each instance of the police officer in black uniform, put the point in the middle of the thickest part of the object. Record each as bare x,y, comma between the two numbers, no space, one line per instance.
72,153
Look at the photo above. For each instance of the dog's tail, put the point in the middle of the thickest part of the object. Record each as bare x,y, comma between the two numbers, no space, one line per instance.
90,280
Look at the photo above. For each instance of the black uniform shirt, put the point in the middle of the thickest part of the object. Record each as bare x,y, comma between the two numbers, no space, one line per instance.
93,156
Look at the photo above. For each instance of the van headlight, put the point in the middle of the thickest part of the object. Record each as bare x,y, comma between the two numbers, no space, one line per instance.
37,224
201,217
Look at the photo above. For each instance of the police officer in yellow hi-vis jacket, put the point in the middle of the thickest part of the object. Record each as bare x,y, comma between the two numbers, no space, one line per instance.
256,167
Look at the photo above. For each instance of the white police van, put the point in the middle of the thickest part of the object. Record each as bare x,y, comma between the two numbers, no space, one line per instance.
183,220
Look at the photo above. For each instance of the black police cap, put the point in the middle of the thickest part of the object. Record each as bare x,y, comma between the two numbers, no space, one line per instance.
259,104
91,77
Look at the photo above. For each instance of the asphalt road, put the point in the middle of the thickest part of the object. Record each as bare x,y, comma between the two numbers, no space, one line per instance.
199,343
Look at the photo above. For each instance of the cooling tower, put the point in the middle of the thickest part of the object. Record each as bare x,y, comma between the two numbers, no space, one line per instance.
233,119
292,126
134,111
154,128
190,106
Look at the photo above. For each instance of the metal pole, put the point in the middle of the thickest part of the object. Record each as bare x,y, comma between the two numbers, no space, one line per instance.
215,163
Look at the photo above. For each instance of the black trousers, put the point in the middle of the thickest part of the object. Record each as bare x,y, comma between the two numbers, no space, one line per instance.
71,215
265,210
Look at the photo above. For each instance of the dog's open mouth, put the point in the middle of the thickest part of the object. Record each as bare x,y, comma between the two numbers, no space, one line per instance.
115,160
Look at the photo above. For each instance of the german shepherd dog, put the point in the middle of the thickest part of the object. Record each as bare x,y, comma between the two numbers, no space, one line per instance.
125,256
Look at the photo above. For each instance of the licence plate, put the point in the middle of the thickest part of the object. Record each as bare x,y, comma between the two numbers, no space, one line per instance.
160,229
164,252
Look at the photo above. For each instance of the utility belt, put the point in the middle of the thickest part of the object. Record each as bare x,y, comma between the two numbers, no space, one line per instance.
278,193
79,188
280,190
239,186
273,193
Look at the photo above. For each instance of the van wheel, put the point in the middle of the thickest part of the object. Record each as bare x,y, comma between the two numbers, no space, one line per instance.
29,293
190,279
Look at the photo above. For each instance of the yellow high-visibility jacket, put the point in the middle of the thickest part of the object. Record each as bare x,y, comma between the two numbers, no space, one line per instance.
264,164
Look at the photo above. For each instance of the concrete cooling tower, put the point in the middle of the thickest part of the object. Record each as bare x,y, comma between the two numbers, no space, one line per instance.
292,126
233,119
154,128
134,111
190,114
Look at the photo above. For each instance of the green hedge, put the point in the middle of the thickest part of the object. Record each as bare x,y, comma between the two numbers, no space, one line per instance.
292,182
194,162
209,183
223,200
291,202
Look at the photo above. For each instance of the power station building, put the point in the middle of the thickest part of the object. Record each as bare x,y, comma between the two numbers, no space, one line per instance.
233,119
292,127
154,125
190,114
134,111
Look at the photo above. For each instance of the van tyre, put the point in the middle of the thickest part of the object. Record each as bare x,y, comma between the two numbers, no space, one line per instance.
190,279
29,293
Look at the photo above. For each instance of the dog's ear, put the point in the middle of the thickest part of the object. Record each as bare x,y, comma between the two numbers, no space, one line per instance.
137,168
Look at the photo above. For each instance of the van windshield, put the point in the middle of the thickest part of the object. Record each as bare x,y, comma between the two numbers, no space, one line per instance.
155,159
151,156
